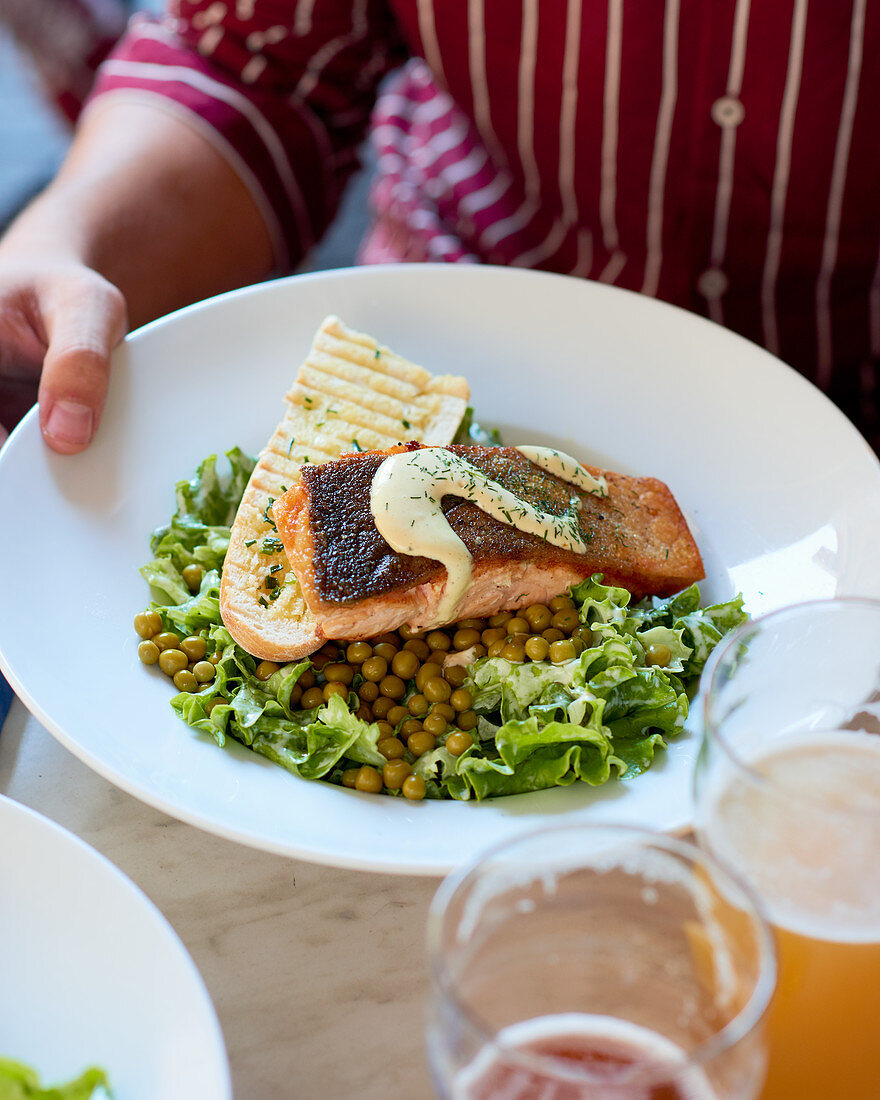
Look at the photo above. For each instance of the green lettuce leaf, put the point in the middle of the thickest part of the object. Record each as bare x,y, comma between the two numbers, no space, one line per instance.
663,612
470,432
198,533
309,743
637,753
534,758
673,640
313,749
189,614
703,630
20,1082
699,629
600,603
646,699
497,684
165,581
211,498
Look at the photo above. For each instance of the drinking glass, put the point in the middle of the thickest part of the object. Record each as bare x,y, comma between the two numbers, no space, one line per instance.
597,962
788,793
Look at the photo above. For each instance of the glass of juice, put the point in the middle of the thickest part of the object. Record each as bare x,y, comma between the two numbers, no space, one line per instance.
597,962
788,794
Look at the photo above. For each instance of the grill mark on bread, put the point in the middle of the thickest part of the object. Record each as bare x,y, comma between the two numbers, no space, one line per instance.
348,375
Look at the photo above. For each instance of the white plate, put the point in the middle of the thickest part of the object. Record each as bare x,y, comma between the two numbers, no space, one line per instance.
93,974
776,482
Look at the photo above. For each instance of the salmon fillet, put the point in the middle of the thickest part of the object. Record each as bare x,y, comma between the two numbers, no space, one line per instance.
356,586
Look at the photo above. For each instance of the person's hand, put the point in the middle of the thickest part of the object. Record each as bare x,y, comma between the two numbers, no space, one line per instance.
122,234
59,322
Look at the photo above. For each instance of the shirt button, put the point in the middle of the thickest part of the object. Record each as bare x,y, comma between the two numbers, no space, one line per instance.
712,283
728,111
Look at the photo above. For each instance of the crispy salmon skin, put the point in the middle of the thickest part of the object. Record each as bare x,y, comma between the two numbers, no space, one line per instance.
356,586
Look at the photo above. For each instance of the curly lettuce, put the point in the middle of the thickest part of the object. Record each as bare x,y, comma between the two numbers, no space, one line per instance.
601,715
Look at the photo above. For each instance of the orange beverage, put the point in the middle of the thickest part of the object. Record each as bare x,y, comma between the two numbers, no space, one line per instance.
788,794
828,993
802,822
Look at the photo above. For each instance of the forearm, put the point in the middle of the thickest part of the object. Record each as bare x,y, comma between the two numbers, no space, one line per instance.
149,203
148,214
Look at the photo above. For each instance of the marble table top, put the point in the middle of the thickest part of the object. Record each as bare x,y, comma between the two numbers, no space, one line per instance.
317,974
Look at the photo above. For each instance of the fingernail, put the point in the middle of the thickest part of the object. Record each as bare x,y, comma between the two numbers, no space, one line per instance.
70,422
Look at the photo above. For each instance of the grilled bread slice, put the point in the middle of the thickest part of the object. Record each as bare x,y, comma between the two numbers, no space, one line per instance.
350,394
358,587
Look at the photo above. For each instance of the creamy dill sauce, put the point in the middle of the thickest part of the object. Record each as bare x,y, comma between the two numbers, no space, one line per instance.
569,469
405,498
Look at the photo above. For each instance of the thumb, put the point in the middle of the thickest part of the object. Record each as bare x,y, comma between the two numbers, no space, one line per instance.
84,320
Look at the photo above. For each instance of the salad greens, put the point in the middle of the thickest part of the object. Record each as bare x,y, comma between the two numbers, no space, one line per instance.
470,432
601,715
20,1082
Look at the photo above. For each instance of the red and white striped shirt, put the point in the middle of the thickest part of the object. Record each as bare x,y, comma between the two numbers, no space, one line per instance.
719,154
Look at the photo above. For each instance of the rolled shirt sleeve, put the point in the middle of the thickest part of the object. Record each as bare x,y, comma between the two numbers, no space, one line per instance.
282,90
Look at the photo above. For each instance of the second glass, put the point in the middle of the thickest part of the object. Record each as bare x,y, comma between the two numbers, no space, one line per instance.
587,962
788,793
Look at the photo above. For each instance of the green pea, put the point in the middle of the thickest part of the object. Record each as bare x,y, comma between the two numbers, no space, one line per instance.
148,652
192,576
